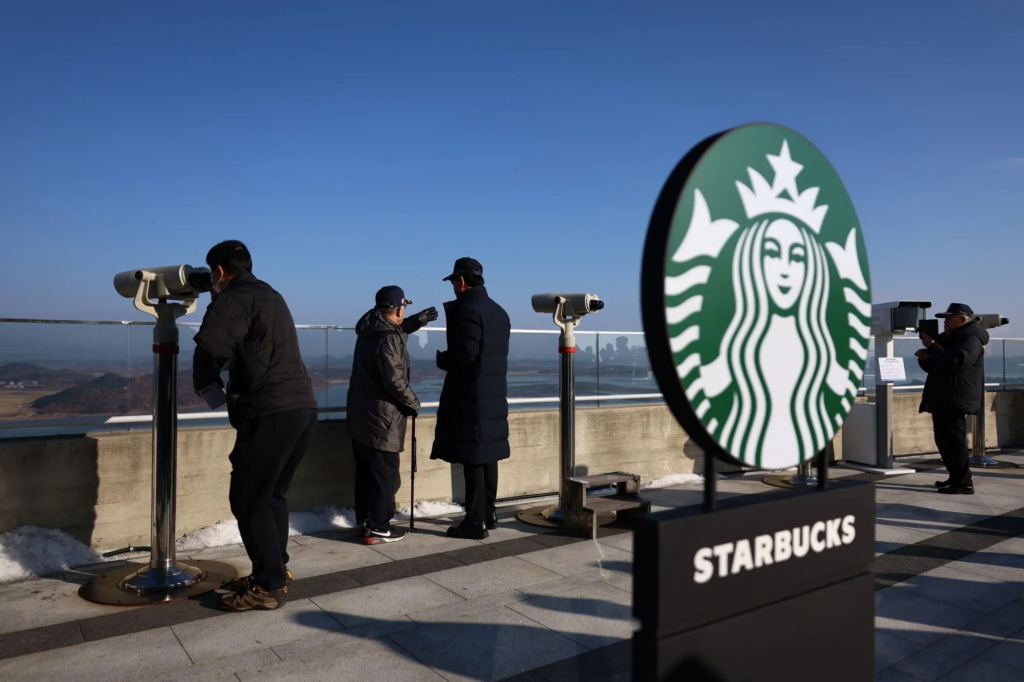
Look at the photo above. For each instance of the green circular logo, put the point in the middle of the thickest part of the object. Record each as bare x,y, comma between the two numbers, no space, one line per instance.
757,297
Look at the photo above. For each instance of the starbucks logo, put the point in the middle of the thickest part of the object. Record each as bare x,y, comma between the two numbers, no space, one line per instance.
757,297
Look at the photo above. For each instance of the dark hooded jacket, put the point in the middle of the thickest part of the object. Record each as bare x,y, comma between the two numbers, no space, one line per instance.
956,371
249,325
472,420
379,396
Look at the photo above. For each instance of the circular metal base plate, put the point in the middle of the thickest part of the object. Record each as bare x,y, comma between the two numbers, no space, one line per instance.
106,589
791,481
542,516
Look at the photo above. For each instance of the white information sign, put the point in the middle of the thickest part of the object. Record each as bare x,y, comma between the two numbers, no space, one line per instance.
891,369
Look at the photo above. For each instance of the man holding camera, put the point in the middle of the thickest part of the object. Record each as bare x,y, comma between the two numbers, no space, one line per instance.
379,402
955,388
472,420
272,407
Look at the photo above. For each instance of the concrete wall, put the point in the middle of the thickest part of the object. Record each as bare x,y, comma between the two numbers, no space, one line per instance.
97,486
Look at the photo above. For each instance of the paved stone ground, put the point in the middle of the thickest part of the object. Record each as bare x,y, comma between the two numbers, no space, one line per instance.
529,604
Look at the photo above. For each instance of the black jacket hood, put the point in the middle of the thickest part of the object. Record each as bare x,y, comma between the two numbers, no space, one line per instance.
374,322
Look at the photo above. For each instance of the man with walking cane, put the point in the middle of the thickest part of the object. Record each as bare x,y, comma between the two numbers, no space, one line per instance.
379,401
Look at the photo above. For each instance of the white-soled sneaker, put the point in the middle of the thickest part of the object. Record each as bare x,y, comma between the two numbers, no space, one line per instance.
377,537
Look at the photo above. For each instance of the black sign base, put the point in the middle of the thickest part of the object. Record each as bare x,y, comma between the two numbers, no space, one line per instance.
770,587
827,634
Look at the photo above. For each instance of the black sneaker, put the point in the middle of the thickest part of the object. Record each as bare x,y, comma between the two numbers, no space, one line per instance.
379,537
957,490
492,521
943,484
475,532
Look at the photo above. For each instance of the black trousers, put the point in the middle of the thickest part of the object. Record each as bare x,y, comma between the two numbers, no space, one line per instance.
267,452
950,430
376,479
481,491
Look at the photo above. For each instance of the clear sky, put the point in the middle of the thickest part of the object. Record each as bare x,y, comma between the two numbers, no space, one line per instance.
358,144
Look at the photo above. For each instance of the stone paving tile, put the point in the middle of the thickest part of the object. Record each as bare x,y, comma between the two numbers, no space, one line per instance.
481,552
918,619
487,645
594,615
890,675
44,638
501,575
37,603
220,668
889,537
217,553
984,670
940,515
999,624
378,659
960,588
109,660
429,540
1004,561
623,541
890,650
327,557
578,557
389,600
406,568
450,612
1010,652
237,632
947,654
307,647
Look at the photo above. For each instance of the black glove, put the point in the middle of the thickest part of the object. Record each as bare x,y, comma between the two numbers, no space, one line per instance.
427,316
408,411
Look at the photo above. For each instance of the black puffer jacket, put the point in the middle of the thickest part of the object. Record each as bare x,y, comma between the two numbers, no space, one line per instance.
249,324
379,396
472,421
956,371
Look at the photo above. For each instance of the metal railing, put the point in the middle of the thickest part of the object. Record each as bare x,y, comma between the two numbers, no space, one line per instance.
612,367
119,353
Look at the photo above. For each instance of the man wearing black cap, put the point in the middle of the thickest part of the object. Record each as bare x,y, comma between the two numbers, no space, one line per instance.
379,401
955,388
472,420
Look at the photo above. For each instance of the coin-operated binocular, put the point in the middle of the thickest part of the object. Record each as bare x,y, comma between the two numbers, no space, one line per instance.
567,311
166,293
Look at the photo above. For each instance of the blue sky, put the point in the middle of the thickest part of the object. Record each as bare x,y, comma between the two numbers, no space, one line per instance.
354,145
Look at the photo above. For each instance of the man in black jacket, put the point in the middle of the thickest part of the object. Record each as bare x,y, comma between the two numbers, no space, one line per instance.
272,407
379,401
955,388
472,420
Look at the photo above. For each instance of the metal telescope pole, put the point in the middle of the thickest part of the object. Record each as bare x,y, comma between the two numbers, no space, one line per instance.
566,407
164,572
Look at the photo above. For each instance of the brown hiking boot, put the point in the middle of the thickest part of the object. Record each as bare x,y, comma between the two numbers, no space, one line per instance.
241,584
255,599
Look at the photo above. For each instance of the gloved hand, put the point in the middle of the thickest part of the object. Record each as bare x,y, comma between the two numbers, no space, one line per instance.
428,315
408,411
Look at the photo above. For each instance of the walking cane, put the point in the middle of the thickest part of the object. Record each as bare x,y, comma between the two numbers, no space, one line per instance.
412,482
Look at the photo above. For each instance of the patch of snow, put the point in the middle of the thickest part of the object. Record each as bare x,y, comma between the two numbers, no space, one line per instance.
429,509
30,551
321,519
676,479
219,534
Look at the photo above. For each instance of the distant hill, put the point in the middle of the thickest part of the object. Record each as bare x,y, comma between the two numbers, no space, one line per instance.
109,394
50,378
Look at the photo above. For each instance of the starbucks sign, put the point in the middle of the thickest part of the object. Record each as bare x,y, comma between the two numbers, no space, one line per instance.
756,296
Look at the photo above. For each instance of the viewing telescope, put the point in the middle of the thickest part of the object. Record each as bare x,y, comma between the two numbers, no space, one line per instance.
179,282
573,305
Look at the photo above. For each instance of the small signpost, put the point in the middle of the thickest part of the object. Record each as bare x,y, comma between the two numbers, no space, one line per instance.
756,301
891,369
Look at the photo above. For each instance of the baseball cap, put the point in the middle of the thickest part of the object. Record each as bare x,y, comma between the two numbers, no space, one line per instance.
391,297
466,266
955,309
